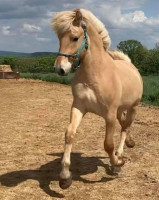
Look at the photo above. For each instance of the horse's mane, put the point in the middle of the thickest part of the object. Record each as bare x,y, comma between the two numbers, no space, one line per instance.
118,55
63,21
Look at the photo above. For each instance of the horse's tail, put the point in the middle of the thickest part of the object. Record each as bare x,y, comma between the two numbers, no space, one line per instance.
119,55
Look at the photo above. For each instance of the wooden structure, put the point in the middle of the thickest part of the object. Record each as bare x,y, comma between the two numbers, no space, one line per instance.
7,73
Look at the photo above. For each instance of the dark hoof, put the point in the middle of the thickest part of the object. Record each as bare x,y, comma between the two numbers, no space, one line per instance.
115,170
130,143
65,183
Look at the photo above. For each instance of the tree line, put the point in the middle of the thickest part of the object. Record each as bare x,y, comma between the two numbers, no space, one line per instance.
40,64
146,60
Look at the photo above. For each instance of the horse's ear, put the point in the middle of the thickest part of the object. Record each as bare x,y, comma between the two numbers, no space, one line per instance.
78,18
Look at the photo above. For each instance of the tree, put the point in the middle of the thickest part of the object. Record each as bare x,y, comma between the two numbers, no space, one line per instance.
150,63
157,45
134,49
12,61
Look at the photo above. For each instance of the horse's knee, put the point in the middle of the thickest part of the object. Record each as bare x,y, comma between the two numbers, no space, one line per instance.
69,138
69,135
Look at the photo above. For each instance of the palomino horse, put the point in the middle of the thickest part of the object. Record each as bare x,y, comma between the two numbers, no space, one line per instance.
106,83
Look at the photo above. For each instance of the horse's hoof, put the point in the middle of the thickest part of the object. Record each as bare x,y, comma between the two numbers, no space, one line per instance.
121,162
130,143
65,183
115,170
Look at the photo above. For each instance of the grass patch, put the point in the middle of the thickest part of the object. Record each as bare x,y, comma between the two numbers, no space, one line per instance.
151,84
51,77
151,90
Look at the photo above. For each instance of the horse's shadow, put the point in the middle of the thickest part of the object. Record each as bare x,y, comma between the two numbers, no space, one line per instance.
50,172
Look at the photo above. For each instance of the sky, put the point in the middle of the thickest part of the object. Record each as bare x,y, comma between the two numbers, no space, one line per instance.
25,25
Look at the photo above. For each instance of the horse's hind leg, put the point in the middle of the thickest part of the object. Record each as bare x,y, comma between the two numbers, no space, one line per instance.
75,119
125,133
109,138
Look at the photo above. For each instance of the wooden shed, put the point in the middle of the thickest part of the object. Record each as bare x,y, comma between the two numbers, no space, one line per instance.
7,73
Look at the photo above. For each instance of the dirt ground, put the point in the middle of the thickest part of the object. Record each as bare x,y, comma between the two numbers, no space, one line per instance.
33,119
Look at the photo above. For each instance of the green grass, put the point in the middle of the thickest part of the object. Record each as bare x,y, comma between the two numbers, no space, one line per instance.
51,77
151,90
151,84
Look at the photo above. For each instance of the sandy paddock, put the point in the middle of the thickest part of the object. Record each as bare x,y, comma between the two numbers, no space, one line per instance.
33,119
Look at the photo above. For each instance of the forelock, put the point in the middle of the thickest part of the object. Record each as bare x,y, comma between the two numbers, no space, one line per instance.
63,21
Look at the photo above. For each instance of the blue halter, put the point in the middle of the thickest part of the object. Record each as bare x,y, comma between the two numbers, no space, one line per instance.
76,55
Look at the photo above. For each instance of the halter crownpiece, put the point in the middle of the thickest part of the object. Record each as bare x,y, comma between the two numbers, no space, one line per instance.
76,55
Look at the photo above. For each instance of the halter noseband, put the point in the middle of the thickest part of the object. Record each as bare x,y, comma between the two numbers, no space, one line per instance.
76,55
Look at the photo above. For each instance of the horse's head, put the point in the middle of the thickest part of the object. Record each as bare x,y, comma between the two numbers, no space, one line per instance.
72,40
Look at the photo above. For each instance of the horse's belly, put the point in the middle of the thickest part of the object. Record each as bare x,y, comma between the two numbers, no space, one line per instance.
87,97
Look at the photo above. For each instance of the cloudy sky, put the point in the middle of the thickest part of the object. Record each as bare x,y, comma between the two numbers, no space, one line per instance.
25,24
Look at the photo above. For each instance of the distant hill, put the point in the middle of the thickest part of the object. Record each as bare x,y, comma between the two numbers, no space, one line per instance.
20,54
35,54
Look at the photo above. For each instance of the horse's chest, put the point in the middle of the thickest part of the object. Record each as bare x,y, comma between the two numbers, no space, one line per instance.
87,95
84,92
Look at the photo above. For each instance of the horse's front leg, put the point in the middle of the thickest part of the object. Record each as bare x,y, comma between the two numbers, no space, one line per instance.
75,119
109,139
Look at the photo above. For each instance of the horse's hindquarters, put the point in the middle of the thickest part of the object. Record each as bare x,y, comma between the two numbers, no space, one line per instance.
131,82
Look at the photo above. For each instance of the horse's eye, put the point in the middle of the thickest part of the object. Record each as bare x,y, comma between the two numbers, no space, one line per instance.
75,39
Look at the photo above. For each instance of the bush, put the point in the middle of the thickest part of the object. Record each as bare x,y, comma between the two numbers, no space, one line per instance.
150,63
12,61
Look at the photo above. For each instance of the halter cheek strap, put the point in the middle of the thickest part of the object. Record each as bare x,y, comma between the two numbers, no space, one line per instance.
76,55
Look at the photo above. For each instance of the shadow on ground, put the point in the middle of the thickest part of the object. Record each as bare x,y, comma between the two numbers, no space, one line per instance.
50,172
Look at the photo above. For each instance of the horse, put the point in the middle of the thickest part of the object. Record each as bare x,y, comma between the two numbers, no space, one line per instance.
106,82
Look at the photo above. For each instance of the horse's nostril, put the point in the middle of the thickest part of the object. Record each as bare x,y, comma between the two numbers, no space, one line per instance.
62,72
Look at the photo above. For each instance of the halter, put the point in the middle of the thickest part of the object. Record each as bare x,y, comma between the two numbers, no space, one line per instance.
76,55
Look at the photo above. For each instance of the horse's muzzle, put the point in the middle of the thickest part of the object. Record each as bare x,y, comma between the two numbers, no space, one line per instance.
61,71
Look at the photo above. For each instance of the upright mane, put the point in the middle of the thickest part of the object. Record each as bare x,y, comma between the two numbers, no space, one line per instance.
63,21
119,55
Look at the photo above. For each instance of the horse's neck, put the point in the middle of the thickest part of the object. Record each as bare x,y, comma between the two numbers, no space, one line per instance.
95,61
96,43
96,52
